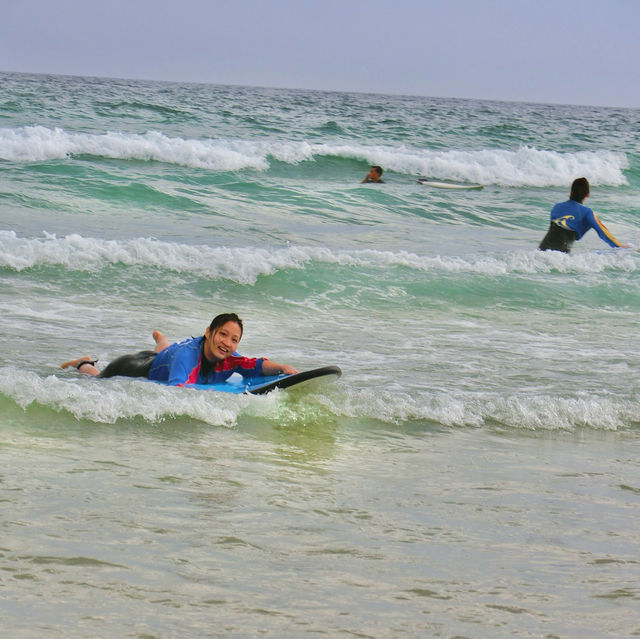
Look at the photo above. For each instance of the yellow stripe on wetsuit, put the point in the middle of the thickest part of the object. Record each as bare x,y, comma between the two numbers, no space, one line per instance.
605,230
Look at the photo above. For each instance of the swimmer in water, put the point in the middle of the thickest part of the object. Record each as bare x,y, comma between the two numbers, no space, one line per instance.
374,176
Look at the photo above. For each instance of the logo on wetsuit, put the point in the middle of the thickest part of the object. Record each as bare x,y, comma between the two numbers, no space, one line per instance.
562,221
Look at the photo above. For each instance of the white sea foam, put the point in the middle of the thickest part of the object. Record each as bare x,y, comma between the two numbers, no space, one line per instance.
38,143
107,401
245,264
452,409
525,166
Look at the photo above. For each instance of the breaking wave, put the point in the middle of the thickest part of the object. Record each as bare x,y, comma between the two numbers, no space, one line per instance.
526,166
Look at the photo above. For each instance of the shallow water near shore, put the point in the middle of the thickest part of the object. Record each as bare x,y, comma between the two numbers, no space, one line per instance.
473,473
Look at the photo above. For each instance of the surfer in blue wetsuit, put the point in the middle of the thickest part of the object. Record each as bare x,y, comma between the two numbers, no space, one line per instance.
570,220
374,176
209,359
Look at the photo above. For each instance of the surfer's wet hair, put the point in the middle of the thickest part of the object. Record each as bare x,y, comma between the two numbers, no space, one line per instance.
222,319
579,189
377,169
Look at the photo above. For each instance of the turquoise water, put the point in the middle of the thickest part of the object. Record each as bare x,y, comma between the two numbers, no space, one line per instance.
474,472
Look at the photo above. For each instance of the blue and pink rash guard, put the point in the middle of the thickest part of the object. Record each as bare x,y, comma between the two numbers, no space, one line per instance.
573,216
183,363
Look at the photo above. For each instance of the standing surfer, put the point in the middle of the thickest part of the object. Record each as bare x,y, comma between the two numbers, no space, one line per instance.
570,220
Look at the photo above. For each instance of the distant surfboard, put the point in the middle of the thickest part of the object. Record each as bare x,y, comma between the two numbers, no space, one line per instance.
462,186
262,385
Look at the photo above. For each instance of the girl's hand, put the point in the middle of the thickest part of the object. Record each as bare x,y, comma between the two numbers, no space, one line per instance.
288,370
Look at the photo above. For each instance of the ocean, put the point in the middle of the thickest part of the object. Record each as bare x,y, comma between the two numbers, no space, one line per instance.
474,473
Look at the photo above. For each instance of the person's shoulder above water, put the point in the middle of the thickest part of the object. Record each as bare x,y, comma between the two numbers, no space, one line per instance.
569,209
374,176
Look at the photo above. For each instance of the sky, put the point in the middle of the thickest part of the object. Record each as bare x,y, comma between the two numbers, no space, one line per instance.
550,51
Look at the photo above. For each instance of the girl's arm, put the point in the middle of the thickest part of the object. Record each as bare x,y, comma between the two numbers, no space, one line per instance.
273,368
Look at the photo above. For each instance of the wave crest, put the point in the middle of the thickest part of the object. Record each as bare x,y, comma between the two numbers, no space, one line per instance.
245,264
107,401
525,166
478,410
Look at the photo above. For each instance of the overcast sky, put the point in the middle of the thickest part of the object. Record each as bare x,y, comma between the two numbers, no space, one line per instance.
558,51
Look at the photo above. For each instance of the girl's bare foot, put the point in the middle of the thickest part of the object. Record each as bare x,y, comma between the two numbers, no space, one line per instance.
75,362
161,341
83,364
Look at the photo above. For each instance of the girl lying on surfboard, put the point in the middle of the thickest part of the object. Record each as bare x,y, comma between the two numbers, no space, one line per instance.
209,359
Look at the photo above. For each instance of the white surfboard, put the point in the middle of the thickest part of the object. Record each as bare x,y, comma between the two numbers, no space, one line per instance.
462,186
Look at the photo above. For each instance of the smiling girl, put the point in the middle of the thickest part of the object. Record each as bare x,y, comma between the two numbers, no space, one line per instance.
209,359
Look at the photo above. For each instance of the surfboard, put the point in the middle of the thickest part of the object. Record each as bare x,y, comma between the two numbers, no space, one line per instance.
263,385
462,186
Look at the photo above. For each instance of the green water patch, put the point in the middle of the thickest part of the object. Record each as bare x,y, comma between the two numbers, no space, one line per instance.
109,183
439,284
506,134
112,285
37,420
330,127
325,168
42,425
300,426
633,172
140,195
140,110
8,107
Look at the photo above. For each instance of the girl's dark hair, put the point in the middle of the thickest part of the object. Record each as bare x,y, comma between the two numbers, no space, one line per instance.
222,319
579,189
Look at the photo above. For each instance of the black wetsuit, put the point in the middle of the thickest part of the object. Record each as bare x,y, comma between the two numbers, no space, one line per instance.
558,239
136,365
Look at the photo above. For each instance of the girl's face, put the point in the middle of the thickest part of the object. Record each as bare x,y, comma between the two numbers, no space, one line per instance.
222,342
